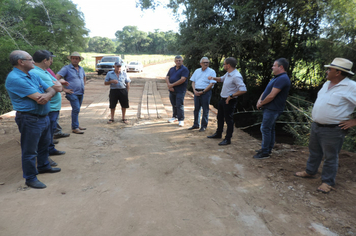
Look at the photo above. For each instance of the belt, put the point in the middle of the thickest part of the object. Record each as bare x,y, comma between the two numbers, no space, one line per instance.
327,125
199,90
27,113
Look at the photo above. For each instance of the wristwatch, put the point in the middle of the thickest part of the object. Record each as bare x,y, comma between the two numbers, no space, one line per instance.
231,95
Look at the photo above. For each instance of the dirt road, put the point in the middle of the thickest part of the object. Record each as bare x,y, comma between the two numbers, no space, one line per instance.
154,178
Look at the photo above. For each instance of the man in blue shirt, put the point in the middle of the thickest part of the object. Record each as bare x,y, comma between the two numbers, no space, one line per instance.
273,100
202,93
30,97
176,80
119,91
42,60
74,74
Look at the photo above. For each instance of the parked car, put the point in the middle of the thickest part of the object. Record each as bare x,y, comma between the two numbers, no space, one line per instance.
135,66
106,64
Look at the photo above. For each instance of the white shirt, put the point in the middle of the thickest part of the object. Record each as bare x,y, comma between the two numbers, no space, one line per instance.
232,82
335,104
200,78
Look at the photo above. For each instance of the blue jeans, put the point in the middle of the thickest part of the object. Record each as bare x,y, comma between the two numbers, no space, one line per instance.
75,102
177,101
225,114
53,117
202,101
268,129
35,139
325,142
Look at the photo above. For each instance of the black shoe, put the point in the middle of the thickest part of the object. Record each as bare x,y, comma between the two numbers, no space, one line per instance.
36,184
216,135
52,162
57,153
261,156
202,129
55,141
193,127
260,151
61,135
224,142
52,170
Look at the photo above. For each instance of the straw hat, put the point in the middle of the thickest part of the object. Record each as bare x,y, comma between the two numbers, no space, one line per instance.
341,64
75,54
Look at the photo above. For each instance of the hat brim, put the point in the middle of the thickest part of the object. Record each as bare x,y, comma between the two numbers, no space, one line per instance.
339,68
81,58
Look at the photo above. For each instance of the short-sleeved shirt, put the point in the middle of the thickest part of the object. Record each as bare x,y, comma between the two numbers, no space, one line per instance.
51,72
19,85
74,77
232,82
123,79
175,75
200,78
281,82
56,101
335,104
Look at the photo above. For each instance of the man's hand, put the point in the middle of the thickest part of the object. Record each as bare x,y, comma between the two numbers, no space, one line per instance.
210,78
70,91
170,85
347,124
114,81
44,98
171,89
228,99
259,105
196,93
63,82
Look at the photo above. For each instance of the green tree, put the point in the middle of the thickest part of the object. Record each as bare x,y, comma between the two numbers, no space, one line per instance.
133,40
100,45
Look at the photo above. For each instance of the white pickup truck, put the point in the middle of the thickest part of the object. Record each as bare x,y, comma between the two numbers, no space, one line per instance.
106,64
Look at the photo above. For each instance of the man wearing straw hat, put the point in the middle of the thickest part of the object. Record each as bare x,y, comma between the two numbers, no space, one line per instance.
74,74
335,103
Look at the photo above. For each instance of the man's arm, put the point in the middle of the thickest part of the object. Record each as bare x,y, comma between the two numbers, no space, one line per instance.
168,84
178,82
128,87
43,98
85,80
269,97
217,79
57,86
347,124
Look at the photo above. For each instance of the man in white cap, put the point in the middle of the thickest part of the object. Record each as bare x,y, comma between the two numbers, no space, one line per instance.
74,74
331,119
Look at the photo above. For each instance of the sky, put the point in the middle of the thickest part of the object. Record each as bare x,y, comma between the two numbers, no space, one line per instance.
104,17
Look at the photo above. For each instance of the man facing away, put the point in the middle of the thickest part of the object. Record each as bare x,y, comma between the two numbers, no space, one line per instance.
202,93
176,80
273,100
74,74
233,86
42,60
331,115
119,91
30,98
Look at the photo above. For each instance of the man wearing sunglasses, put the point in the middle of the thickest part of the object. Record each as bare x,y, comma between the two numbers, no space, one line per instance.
202,93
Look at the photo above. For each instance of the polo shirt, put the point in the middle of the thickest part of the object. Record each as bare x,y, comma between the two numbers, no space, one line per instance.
335,104
56,101
19,85
175,75
74,77
232,82
200,78
123,79
281,82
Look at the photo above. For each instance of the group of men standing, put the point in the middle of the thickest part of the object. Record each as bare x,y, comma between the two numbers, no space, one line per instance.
35,96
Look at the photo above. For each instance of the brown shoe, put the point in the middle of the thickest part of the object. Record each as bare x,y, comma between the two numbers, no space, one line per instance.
77,131
82,128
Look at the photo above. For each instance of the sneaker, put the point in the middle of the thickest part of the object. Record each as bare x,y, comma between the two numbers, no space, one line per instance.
261,156
181,123
173,119
260,151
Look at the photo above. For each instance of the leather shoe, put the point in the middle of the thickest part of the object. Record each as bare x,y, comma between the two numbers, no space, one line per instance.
52,162
52,170
57,153
202,129
77,131
193,127
55,141
36,184
82,128
224,142
61,135
216,135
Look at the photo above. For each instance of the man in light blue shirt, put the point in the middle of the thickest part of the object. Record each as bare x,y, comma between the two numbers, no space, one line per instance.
119,91
202,93
42,60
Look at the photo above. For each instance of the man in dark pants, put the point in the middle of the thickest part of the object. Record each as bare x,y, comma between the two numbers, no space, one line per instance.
176,80
233,86
30,97
273,100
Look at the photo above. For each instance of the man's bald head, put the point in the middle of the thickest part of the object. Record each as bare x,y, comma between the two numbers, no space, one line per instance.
16,55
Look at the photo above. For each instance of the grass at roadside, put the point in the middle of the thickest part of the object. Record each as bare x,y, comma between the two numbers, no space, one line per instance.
89,59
